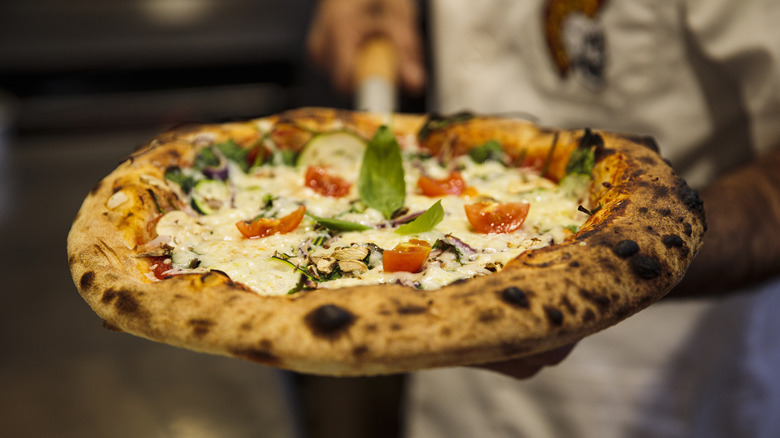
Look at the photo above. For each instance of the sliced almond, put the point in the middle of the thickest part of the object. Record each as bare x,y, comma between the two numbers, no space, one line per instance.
352,266
351,253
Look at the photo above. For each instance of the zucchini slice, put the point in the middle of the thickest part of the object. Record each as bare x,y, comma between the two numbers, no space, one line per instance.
336,150
209,195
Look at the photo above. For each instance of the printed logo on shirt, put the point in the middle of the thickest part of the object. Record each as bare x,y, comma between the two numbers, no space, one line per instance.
575,39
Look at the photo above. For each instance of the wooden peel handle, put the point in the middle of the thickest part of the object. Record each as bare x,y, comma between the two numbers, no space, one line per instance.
376,73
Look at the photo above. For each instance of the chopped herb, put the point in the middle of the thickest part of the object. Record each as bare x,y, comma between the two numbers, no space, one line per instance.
338,224
206,158
286,157
235,153
446,246
572,228
298,286
176,175
424,222
156,200
490,151
381,183
436,123
581,160
285,258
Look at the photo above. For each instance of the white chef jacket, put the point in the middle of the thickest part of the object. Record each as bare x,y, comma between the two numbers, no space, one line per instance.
702,77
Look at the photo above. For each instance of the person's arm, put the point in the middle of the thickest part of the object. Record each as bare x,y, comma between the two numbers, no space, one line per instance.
340,27
742,242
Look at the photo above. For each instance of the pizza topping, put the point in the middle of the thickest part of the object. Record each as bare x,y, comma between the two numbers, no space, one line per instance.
453,184
497,217
299,241
264,226
338,224
209,195
381,184
408,256
491,150
326,184
423,222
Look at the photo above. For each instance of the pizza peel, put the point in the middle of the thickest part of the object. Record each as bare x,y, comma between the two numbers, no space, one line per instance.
375,76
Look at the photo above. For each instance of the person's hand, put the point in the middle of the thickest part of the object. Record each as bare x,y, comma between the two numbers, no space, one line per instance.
526,367
341,26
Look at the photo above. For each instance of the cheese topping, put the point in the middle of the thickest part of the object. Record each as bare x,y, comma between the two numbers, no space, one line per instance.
312,256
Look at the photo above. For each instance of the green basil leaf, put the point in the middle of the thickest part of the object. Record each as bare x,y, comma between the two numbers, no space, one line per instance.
491,150
581,161
381,183
338,224
206,158
424,222
235,153
176,175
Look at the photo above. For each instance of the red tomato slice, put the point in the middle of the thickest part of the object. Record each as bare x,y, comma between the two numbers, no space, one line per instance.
408,256
266,226
454,184
162,265
497,217
319,180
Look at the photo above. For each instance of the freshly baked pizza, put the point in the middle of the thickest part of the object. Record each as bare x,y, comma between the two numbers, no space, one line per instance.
348,243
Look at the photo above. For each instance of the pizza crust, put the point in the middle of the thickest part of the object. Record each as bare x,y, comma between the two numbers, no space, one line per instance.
632,251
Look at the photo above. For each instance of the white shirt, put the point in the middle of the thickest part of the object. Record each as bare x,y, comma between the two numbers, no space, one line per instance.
702,77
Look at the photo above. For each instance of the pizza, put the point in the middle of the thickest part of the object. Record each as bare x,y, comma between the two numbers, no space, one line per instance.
349,243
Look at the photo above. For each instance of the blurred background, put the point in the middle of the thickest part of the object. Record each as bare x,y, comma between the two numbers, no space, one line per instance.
82,83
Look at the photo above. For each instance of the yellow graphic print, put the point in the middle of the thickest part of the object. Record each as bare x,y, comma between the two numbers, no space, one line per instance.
575,38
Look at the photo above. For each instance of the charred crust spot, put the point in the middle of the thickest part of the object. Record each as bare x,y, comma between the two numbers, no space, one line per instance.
87,280
260,356
124,302
690,198
606,185
673,241
360,350
200,327
643,210
107,325
395,327
664,212
661,191
96,187
490,315
329,320
687,229
554,315
648,160
589,139
445,331
516,297
588,316
574,264
625,248
601,301
565,302
644,140
645,266
411,309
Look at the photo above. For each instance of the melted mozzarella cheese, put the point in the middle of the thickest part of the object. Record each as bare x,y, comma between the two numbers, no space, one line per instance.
213,241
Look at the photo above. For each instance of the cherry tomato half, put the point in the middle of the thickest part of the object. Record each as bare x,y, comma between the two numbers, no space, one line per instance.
408,256
319,180
266,226
454,184
496,217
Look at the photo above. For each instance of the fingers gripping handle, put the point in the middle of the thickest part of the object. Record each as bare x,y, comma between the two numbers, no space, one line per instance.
376,75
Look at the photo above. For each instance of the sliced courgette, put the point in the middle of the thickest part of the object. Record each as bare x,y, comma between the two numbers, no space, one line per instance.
209,195
336,150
